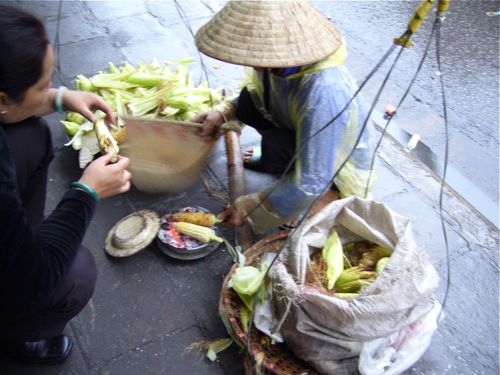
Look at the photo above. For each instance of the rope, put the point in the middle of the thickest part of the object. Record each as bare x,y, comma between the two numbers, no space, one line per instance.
445,168
384,131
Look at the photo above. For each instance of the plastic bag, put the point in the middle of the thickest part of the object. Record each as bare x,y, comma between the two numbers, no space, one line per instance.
394,354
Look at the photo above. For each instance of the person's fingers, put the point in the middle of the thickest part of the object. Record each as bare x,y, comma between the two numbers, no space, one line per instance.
231,222
206,134
199,118
104,159
106,108
121,164
226,223
109,119
127,176
225,214
207,130
125,187
87,113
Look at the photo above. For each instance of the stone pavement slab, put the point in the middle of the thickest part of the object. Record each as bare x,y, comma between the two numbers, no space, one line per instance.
147,309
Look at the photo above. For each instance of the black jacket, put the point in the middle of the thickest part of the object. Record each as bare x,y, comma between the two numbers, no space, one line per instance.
33,261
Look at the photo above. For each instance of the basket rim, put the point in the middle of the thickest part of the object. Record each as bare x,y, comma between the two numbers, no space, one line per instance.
239,335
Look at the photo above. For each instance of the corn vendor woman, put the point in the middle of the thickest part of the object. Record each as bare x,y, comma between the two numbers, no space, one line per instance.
46,276
296,86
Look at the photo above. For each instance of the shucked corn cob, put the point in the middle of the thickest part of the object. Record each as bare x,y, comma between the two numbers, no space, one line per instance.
119,134
107,143
199,218
202,234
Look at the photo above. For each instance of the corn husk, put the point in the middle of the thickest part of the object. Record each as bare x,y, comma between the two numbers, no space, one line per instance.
147,91
334,257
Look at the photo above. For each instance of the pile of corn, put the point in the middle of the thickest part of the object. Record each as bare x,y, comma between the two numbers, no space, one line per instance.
164,91
346,269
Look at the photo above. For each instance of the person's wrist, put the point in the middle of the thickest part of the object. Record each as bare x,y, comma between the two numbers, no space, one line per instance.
58,100
86,188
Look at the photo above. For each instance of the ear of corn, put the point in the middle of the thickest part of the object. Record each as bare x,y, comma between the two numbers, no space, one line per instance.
199,218
202,234
334,257
369,259
107,143
119,134
353,286
346,295
70,127
75,117
381,265
83,83
146,79
351,274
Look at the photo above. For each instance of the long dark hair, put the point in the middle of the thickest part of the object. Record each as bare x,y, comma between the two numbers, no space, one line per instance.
23,46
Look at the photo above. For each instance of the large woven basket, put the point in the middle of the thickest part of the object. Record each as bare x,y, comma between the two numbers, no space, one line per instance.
276,358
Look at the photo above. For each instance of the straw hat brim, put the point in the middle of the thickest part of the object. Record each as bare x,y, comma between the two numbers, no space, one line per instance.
271,34
132,234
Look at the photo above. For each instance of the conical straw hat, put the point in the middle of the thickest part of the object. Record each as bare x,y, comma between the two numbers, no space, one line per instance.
270,34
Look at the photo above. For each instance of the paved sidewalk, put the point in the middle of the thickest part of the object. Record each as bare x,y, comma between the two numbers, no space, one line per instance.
147,309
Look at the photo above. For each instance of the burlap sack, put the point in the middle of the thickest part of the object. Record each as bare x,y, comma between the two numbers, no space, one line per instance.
325,330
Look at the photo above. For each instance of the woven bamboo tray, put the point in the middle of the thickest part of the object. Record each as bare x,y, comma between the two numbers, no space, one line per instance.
277,358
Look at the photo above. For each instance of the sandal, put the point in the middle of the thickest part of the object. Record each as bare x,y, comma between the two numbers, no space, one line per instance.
255,161
290,225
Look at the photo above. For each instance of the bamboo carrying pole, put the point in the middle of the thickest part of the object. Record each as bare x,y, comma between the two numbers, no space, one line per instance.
237,185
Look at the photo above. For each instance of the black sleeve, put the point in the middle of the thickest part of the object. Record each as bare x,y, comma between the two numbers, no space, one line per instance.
35,260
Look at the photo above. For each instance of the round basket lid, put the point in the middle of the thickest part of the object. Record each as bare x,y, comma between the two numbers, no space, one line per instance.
132,233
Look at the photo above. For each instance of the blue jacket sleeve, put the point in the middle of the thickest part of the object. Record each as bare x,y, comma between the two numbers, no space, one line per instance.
324,135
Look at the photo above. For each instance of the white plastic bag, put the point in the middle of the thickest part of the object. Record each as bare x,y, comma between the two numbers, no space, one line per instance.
395,354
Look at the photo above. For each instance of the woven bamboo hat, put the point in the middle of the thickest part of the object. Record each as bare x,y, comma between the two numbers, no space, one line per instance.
132,233
268,33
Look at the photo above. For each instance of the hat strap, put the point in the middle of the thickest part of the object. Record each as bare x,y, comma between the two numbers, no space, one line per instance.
265,84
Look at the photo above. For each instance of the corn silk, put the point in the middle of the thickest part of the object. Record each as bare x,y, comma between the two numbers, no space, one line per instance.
305,102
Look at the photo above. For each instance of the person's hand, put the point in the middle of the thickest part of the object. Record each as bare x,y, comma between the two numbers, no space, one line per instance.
231,218
107,179
86,103
212,122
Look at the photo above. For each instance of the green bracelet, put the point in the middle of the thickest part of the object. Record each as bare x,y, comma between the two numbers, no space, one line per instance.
59,99
85,188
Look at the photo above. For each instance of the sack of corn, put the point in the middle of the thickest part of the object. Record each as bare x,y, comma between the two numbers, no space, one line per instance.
329,325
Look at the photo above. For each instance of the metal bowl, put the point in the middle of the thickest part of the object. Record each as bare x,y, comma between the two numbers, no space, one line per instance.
180,246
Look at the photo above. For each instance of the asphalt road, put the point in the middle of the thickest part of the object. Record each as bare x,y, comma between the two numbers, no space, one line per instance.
470,69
